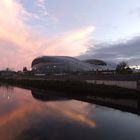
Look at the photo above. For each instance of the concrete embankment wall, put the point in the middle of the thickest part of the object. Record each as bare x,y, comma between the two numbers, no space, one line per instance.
125,84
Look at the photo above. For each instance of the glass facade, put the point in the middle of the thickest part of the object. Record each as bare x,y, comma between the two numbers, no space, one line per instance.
59,64
65,64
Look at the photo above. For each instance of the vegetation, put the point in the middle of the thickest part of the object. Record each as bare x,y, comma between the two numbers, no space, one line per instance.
123,68
25,69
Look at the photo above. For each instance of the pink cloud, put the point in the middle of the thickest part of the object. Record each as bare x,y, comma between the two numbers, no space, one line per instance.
20,43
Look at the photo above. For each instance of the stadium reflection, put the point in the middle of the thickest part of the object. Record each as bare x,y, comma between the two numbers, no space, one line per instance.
33,114
45,95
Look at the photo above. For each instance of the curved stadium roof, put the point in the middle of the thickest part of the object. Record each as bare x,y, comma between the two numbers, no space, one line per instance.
59,64
65,64
95,61
52,59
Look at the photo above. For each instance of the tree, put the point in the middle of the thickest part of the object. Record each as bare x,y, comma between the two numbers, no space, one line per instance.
123,68
25,69
7,69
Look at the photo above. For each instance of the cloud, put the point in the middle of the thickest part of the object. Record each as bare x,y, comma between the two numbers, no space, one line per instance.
19,115
74,112
43,12
72,43
135,11
20,42
124,50
41,3
42,6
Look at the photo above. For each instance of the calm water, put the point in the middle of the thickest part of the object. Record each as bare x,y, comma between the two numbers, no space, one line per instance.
28,115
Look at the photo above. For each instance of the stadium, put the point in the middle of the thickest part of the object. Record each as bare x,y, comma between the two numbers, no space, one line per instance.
65,64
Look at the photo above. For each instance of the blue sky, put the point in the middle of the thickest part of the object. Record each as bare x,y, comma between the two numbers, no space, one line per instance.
112,20
84,28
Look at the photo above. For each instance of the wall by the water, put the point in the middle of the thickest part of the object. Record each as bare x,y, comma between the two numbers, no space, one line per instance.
125,84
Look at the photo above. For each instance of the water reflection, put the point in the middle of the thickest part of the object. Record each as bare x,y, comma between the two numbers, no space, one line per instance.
7,91
27,118
25,115
45,95
74,114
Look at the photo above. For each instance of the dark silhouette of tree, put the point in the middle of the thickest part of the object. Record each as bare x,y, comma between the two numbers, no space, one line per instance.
25,69
123,68
7,69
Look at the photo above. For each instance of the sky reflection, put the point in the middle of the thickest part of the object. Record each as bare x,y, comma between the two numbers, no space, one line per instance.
24,117
24,112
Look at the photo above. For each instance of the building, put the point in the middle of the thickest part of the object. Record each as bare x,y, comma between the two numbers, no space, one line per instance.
59,65
100,65
64,64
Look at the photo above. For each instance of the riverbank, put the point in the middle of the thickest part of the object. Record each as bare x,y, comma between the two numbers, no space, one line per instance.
76,88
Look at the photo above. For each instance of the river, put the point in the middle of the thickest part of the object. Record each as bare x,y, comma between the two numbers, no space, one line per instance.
28,115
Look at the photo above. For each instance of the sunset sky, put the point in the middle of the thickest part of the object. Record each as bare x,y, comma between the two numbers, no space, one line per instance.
100,29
